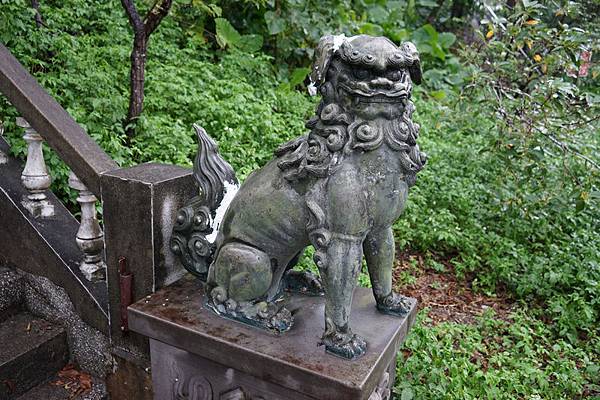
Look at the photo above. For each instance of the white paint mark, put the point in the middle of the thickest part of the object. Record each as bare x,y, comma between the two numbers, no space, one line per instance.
312,89
338,40
229,375
229,192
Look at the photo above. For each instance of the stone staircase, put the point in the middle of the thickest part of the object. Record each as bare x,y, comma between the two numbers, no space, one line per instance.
32,349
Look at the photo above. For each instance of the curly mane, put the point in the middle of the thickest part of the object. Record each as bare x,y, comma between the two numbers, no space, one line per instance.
335,133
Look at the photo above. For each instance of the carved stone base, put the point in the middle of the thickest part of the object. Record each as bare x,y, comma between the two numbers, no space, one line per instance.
38,208
197,355
93,272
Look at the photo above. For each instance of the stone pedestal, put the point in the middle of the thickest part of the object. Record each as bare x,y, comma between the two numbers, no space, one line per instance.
198,355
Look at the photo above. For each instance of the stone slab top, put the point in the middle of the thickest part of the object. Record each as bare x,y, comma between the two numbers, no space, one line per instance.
176,315
150,172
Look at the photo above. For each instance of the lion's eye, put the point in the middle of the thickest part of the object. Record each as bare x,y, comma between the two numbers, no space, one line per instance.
361,73
394,75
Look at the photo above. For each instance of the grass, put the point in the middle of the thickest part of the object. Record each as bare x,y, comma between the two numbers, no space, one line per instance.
467,345
494,359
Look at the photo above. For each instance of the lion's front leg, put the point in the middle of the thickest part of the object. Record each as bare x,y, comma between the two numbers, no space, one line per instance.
379,253
339,264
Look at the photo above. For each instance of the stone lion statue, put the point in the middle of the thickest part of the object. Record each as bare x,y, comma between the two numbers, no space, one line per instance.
339,188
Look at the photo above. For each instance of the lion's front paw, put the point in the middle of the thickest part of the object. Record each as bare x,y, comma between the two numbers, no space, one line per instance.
266,315
394,304
346,345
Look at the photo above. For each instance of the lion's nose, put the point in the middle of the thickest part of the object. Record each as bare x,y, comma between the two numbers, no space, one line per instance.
381,83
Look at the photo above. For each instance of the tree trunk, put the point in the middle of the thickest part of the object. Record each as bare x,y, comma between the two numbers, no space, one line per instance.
142,29
136,79
39,22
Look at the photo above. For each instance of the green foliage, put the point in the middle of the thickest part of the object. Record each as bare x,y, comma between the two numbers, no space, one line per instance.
494,359
228,36
478,207
498,197
290,30
236,100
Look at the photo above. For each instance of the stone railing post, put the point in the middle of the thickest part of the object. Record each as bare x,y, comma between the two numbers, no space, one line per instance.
3,157
90,237
35,175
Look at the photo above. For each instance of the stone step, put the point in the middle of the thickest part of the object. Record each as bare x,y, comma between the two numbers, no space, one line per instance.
50,390
31,351
46,391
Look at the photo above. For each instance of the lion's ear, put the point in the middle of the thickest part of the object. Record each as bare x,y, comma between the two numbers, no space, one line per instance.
414,66
323,55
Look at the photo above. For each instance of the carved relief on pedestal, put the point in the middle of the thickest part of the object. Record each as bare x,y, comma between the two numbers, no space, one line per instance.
189,388
238,394
382,391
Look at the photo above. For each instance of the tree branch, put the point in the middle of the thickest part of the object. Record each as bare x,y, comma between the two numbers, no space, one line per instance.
133,16
155,15
35,4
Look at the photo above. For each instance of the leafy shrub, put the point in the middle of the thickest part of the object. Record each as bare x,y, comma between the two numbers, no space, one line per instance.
494,359
86,70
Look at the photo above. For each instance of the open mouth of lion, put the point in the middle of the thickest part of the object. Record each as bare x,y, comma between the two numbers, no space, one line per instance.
380,98
377,96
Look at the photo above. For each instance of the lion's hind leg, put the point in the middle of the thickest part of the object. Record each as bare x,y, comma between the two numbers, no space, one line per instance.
239,279
379,253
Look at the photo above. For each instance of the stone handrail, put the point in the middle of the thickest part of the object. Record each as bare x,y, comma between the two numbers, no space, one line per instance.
42,237
73,145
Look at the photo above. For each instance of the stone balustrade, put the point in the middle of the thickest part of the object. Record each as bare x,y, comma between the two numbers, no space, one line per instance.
37,180
3,157
35,175
90,237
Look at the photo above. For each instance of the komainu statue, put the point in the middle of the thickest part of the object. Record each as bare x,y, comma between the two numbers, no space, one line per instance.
339,188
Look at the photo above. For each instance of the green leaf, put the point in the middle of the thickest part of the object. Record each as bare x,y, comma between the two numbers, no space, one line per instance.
251,43
437,51
447,39
275,24
438,94
226,33
407,394
371,29
378,14
433,34
298,76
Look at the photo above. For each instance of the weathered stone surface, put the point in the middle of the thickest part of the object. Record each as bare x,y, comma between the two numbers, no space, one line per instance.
339,189
88,347
32,350
139,206
11,292
52,240
287,366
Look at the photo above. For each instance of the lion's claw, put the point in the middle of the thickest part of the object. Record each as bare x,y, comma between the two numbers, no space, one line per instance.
394,304
346,345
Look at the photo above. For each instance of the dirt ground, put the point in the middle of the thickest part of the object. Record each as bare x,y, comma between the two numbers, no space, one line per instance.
448,298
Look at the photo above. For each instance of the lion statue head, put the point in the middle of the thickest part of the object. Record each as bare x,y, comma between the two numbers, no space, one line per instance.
366,84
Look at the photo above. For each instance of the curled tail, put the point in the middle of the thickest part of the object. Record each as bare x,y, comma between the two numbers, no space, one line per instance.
211,171
197,224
